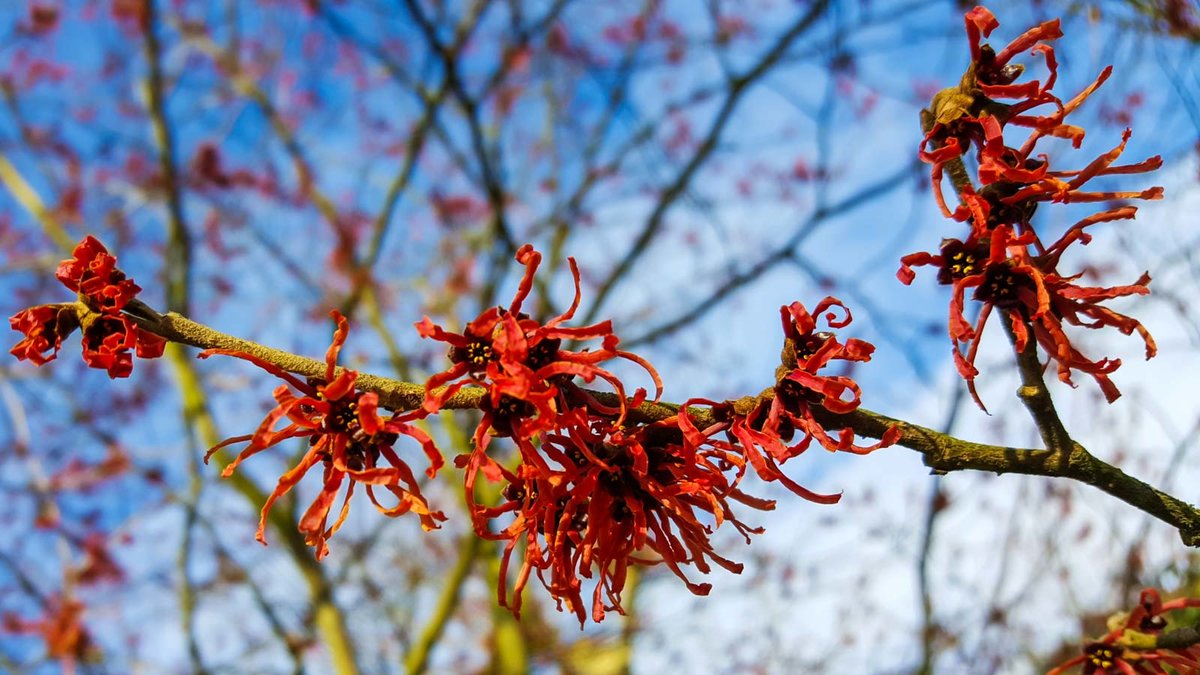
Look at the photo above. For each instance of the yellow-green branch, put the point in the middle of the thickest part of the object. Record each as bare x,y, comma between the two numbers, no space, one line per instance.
941,452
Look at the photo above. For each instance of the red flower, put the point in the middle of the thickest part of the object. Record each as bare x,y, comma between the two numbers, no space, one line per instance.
1028,290
1014,183
762,436
1052,186
992,70
527,373
1124,650
525,356
346,435
108,339
747,436
801,388
954,120
44,327
108,334
968,114
208,170
93,273
615,498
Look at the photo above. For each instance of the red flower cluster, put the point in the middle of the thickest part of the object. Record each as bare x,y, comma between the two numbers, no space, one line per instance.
346,436
1131,647
109,335
602,496
1002,257
763,435
595,490
531,396
526,372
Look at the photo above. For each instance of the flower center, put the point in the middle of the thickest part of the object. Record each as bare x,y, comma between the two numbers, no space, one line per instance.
506,412
620,511
515,492
1000,286
1002,213
987,72
1101,655
807,346
958,262
543,353
792,394
343,418
511,406
577,523
577,457
362,449
478,353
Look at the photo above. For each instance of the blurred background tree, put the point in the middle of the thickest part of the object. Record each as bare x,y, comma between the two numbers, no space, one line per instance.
255,164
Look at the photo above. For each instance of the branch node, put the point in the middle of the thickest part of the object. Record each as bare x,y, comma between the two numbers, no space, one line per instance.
1190,537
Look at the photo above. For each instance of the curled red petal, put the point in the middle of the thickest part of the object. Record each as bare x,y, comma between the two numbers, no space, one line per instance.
339,338
980,23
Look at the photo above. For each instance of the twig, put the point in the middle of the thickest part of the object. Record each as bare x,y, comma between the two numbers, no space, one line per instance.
178,263
861,197
417,660
492,181
1180,638
1036,397
738,86
29,199
292,644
